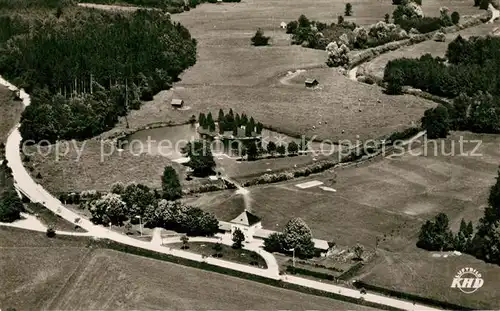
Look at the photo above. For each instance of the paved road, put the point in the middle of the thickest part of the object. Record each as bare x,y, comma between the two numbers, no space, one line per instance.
36,193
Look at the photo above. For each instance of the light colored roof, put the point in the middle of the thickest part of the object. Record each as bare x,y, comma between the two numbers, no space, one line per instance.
283,24
246,218
264,233
177,102
223,225
311,80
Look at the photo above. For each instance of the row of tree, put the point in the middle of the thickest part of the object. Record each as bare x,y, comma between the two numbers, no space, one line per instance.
230,122
408,15
473,66
88,67
484,243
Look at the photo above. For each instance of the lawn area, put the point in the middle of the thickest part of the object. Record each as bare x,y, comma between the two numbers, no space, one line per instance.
49,219
62,274
388,199
436,49
228,253
418,272
10,112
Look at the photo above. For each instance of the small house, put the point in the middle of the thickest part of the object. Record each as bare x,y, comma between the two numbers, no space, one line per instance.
177,103
283,25
311,82
248,223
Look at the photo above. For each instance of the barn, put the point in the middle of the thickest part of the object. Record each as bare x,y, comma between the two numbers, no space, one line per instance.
311,82
177,103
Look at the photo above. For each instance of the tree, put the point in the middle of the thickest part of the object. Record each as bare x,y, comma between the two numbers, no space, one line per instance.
200,156
483,5
271,147
218,250
252,151
259,127
273,243
202,120
172,189
221,115
238,238
281,149
291,27
109,208
192,119
11,206
348,9
358,251
293,148
492,211
340,20
436,122
185,240
210,119
118,188
477,2
436,235
455,17
259,39
298,236
395,82
137,198
463,239
304,22
387,18
51,232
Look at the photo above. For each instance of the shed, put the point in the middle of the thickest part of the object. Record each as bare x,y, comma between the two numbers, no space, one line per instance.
283,25
311,82
177,103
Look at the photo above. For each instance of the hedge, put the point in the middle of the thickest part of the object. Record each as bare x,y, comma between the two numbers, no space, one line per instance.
208,267
316,274
411,297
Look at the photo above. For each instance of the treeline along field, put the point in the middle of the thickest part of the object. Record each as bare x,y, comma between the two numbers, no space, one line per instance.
77,61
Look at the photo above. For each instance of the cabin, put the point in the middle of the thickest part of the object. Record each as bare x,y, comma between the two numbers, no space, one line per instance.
177,103
311,82
283,25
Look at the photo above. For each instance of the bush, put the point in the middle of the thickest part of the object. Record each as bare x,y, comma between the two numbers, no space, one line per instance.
483,5
259,39
51,232
455,17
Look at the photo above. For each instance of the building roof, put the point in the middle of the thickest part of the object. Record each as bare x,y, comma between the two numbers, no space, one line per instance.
224,225
311,80
177,102
246,218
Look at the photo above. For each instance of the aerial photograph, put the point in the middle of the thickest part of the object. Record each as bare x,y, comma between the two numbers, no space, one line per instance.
240,155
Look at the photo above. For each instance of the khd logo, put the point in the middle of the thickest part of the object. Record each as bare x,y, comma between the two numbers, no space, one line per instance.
468,280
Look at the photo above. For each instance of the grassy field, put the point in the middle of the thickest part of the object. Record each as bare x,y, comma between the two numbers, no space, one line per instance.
62,274
389,199
228,253
390,196
49,219
437,49
418,272
10,111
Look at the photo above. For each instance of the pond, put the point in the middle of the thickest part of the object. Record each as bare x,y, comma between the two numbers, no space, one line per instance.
168,141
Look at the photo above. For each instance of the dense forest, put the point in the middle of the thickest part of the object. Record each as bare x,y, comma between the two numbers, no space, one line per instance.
469,75
78,63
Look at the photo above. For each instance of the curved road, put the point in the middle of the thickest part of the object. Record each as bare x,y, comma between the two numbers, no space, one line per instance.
36,193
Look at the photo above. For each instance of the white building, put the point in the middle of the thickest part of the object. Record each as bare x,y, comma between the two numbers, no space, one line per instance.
283,25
